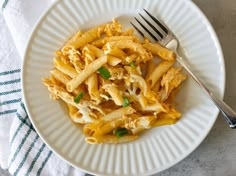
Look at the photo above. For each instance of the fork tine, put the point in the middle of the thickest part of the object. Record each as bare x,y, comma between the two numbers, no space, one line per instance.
158,22
153,27
153,36
137,29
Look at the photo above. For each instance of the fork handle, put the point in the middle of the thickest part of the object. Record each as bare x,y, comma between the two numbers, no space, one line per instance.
228,113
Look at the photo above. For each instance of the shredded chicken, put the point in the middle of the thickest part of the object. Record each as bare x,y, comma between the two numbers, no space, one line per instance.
170,81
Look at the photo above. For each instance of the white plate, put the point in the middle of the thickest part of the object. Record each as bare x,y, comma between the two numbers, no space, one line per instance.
155,150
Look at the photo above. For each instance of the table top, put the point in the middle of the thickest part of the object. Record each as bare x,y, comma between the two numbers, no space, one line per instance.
216,155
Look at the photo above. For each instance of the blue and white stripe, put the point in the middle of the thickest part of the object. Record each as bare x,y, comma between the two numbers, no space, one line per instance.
10,92
24,141
30,154
4,4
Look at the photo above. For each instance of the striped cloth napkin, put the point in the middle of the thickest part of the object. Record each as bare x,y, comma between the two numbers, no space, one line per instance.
21,150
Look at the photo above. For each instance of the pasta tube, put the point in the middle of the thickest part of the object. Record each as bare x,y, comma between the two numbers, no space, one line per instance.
90,69
110,139
158,72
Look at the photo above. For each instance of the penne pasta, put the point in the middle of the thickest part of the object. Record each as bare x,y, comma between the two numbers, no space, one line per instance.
101,42
63,78
118,113
108,127
109,139
158,72
92,50
137,130
112,84
90,69
150,68
64,68
86,37
74,38
113,61
75,115
129,44
141,122
93,87
117,52
157,49
114,93
164,121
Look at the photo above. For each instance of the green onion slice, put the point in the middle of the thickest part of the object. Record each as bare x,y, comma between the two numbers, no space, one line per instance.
78,97
121,132
104,72
126,102
132,64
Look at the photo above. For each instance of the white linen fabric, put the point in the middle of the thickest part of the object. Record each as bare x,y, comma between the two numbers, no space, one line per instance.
21,150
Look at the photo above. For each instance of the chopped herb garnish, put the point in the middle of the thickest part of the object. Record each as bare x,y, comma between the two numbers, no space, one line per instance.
132,64
104,72
121,132
126,102
78,97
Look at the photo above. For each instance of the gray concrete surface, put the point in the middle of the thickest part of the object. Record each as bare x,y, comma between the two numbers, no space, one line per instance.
217,154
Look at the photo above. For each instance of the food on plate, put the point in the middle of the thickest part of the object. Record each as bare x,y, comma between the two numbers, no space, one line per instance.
115,84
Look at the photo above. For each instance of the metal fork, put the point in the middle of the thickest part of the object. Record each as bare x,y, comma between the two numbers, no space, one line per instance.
158,31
